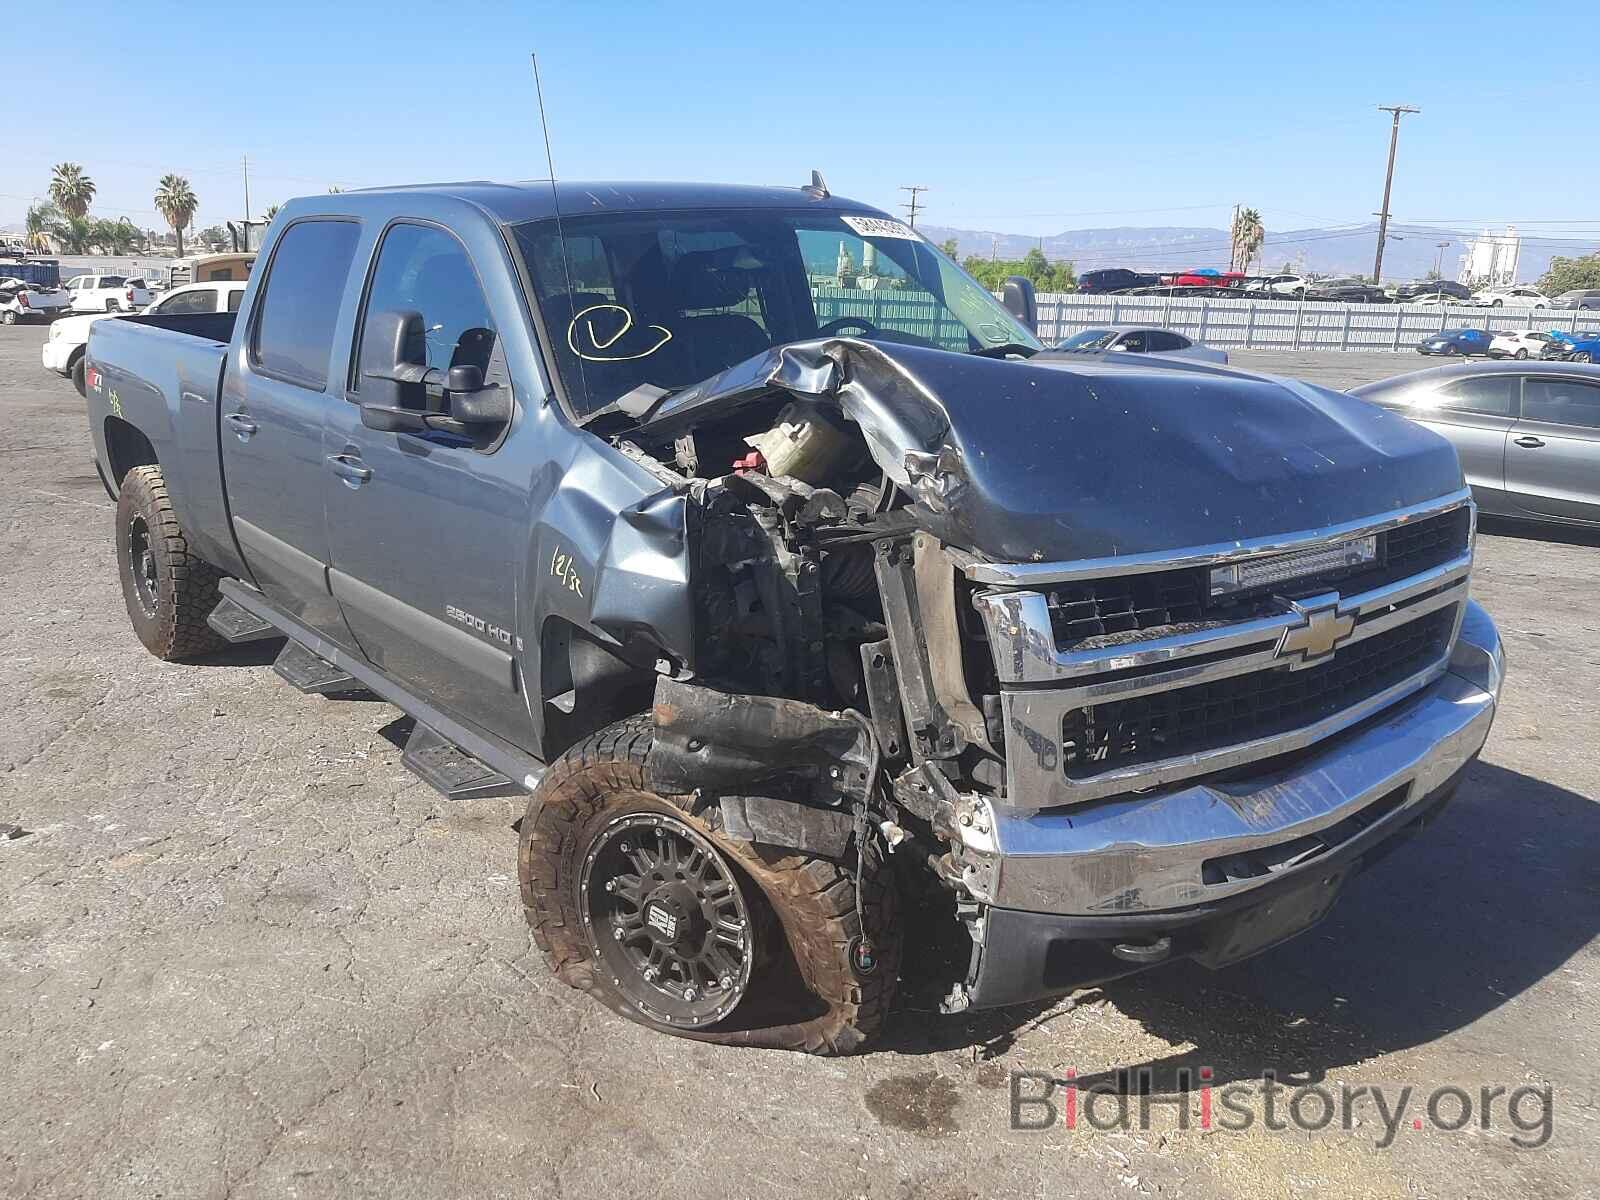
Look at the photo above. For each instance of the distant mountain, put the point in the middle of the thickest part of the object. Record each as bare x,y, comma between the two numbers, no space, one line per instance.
1409,252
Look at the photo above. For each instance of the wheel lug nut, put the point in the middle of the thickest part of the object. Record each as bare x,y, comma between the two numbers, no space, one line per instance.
617,935
611,885
727,983
690,995
624,847
650,974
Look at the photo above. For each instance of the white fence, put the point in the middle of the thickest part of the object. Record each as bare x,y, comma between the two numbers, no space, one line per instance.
1292,325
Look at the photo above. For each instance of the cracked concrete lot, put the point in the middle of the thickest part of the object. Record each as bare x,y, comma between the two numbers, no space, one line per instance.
243,953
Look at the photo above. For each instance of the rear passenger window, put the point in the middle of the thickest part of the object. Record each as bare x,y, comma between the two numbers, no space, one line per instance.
1561,402
189,302
235,297
1488,395
299,307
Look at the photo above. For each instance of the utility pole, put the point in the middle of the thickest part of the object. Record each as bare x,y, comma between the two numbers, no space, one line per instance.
994,246
912,206
245,158
1438,258
1233,238
1399,110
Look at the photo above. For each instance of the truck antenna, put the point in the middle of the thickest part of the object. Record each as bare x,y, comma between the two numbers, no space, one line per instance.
555,202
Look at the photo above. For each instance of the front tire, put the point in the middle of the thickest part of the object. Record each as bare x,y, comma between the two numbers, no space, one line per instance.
167,589
603,861
1583,356
9,317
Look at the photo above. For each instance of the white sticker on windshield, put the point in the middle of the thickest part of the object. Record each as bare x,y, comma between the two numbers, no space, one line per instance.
879,227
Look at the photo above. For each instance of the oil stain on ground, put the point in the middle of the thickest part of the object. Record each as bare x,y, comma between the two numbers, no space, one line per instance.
923,1103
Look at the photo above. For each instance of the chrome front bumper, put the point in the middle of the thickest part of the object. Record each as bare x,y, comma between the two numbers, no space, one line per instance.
1168,849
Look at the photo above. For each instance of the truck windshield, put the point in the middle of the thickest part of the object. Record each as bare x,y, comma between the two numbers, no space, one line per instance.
669,299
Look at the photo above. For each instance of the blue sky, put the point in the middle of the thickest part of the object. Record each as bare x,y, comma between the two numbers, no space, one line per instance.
1024,118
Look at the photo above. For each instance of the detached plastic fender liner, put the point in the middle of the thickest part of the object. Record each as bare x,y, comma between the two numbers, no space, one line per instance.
786,773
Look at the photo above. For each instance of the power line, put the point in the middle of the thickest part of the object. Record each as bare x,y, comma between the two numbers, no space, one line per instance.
912,206
1399,110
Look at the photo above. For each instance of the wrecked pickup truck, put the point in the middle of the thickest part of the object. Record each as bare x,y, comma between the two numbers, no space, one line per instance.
846,641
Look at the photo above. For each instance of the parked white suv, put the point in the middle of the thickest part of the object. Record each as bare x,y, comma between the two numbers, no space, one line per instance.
63,350
1511,297
107,293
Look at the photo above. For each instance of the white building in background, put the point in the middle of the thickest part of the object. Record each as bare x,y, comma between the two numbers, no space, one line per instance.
1491,259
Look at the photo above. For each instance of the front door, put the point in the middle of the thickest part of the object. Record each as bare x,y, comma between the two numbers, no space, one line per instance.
274,403
1475,414
1553,455
428,531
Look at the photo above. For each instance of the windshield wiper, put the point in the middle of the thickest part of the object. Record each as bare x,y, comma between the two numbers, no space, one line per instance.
1006,348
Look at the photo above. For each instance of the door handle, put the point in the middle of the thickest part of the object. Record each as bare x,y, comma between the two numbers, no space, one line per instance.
350,469
242,425
1532,443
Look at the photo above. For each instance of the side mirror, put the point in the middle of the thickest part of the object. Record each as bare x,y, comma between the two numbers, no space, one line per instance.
1020,301
394,359
473,403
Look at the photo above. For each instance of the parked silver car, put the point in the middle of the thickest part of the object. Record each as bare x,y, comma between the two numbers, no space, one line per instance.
1528,433
1139,339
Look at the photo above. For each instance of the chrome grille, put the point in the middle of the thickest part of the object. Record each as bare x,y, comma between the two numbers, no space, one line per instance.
1243,708
1135,677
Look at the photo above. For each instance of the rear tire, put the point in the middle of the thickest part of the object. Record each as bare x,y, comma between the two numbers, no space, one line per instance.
9,317
1583,356
168,590
797,985
1521,354
78,380
112,306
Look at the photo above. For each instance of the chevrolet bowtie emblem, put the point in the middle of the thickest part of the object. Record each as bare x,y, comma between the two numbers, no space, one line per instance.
1323,627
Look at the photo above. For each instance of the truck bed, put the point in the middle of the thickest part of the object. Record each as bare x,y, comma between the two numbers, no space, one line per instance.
159,378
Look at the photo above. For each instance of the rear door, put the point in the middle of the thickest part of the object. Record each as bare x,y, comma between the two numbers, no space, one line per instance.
1476,414
1553,453
275,399
429,531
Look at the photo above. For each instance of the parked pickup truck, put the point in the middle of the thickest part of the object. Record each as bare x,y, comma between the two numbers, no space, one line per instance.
826,627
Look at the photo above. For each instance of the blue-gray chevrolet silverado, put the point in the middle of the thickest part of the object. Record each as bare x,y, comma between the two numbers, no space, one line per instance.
847,642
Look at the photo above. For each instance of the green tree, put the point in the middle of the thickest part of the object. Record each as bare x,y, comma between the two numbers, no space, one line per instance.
71,190
951,249
1571,274
75,235
114,237
271,213
175,200
40,221
214,236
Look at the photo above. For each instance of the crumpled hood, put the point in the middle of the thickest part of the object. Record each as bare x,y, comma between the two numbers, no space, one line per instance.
1058,458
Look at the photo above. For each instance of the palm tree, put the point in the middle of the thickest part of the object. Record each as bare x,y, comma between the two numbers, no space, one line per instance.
272,211
71,189
41,220
175,200
1248,234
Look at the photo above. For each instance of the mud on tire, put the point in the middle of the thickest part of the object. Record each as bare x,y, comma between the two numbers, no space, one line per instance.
804,992
168,590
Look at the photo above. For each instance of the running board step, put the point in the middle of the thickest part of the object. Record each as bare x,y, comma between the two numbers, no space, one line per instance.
237,624
450,770
310,672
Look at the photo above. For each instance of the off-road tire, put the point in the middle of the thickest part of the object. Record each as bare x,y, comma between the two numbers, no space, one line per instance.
805,993
170,616
79,379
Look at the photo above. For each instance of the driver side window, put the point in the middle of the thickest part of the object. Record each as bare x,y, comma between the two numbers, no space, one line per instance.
423,269
852,282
